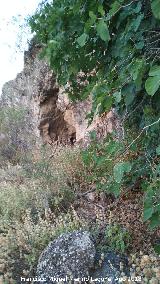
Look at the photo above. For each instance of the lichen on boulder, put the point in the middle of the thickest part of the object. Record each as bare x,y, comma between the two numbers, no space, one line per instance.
70,256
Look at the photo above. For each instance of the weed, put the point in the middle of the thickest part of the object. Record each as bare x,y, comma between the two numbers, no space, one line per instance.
116,238
24,241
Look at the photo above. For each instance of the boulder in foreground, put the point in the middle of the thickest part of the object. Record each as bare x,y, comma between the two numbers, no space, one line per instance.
69,256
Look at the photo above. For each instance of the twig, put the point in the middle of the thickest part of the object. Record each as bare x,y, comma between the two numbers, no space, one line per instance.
153,42
129,114
153,169
144,128
78,195
124,6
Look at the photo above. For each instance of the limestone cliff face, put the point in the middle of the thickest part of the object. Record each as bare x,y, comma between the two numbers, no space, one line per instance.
52,116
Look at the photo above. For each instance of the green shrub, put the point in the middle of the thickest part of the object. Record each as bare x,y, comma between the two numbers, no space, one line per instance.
15,124
105,167
115,46
152,201
39,185
58,170
17,198
116,238
36,207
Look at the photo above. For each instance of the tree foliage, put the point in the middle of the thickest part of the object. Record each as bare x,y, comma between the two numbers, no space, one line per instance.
116,44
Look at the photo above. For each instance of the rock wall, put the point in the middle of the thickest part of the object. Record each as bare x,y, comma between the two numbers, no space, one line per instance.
52,116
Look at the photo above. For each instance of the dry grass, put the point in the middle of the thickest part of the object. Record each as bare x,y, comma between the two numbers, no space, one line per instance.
23,242
36,207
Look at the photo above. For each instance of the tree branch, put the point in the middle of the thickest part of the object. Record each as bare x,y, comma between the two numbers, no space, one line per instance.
144,128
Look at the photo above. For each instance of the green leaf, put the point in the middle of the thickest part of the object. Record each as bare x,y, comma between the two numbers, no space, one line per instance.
85,158
101,160
119,170
155,5
155,221
107,103
154,71
138,8
147,213
92,16
149,193
93,135
82,39
128,92
137,22
157,248
152,84
158,150
115,189
101,10
136,68
127,167
114,9
140,44
117,96
102,30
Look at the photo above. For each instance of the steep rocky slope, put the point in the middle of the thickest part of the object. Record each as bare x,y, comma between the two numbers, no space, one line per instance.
52,115
52,195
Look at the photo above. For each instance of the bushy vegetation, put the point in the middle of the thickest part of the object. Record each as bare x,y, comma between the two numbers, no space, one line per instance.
23,242
115,45
36,207
116,238
109,49
19,139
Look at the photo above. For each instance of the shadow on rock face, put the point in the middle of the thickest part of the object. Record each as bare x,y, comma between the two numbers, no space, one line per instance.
110,270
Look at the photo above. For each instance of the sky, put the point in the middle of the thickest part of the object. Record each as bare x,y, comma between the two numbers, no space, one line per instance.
14,35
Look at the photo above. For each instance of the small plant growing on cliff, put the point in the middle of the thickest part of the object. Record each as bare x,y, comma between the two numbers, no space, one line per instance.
116,238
